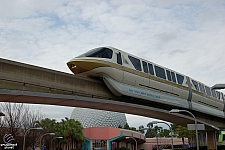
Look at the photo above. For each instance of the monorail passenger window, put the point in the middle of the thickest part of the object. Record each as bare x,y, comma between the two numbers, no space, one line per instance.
119,59
136,63
173,77
208,91
160,72
202,89
150,67
195,84
145,67
100,52
168,75
218,94
213,93
180,79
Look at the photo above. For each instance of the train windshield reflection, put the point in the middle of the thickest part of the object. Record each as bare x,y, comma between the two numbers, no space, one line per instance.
99,52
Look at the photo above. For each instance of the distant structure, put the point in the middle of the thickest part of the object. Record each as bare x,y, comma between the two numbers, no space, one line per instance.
98,118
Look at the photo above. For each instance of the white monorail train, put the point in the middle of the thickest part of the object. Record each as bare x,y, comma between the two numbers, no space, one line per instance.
125,74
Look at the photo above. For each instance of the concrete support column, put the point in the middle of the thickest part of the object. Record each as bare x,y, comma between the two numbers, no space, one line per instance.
211,141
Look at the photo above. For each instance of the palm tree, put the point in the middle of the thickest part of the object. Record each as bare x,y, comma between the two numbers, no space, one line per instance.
72,131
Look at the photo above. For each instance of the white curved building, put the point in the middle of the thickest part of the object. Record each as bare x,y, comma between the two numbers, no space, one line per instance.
98,118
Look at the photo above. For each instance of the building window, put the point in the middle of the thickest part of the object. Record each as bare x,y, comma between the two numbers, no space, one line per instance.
114,145
99,144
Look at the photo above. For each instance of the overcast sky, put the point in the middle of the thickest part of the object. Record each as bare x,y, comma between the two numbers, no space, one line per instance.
185,36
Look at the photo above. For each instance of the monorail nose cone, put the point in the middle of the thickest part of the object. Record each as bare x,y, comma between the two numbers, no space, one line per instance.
75,68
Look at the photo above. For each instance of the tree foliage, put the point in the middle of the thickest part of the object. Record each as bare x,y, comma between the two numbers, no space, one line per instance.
69,129
182,132
126,126
18,119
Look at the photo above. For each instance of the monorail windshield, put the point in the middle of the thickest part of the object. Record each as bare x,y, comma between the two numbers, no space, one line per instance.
99,52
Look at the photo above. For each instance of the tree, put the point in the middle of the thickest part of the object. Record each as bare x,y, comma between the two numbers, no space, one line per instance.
182,132
18,118
72,131
164,133
69,129
141,127
153,131
49,126
126,126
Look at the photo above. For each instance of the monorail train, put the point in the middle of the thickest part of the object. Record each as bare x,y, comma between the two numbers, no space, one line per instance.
126,74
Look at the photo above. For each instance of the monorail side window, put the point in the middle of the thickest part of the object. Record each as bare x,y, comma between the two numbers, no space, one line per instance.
180,79
195,84
145,67
100,52
213,93
150,67
208,91
218,94
168,75
160,72
173,77
136,63
202,89
119,59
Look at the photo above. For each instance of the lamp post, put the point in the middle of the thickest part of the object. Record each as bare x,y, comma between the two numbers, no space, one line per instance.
58,137
128,137
44,135
26,133
155,122
196,130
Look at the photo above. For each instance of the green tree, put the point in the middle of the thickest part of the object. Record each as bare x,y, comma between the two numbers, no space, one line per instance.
69,129
182,132
141,127
164,133
153,131
72,131
47,124
126,126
